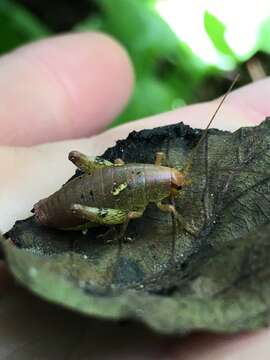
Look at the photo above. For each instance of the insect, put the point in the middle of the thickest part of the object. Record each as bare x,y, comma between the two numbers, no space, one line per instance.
114,193
110,193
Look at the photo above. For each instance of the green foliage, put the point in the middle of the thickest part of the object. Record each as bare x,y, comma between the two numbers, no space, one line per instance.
216,32
151,96
167,70
160,59
264,37
18,26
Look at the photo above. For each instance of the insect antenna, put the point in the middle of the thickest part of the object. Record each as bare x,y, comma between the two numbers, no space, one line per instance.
189,163
205,131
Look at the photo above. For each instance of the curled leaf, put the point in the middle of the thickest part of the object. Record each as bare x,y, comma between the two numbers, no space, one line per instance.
218,277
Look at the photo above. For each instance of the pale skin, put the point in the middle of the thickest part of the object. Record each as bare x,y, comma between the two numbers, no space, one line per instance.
72,87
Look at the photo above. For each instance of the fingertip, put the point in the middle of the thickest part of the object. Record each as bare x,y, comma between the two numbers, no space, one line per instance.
64,87
251,100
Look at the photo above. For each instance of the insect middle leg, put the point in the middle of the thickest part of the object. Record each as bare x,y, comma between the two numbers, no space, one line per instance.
131,215
178,217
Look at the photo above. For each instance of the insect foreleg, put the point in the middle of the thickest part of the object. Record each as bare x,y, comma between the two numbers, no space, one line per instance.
178,217
109,235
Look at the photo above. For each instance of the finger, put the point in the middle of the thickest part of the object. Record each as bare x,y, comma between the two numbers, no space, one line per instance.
220,347
253,99
65,87
239,109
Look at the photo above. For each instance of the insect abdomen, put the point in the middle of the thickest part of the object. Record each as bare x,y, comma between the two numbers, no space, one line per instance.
54,211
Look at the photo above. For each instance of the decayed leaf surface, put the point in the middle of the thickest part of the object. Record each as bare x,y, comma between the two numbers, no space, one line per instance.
219,278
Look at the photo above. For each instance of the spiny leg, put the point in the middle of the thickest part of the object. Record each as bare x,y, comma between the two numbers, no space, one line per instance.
170,209
174,230
179,219
106,216
87,163
100,216
160,158
131,215
173,243
109,235
121,233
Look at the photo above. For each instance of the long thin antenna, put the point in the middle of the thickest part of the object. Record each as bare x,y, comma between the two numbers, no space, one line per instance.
204,134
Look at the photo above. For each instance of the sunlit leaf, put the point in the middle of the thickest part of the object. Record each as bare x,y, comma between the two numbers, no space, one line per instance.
150,96
165,67
264,36
216,32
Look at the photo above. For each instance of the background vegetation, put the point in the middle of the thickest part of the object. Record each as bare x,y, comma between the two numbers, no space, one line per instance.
171,70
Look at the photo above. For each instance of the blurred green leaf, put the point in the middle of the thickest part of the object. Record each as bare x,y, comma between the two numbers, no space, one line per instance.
94,23
150,96
264,36
216,32
18,26
166,69
143,32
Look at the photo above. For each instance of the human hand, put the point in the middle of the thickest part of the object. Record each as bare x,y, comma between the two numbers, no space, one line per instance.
66,88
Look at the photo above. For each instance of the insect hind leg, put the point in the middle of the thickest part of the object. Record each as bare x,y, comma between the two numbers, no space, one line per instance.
100,216
106,216
87,163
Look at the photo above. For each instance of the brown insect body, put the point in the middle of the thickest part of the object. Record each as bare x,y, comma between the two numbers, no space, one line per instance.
129,187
